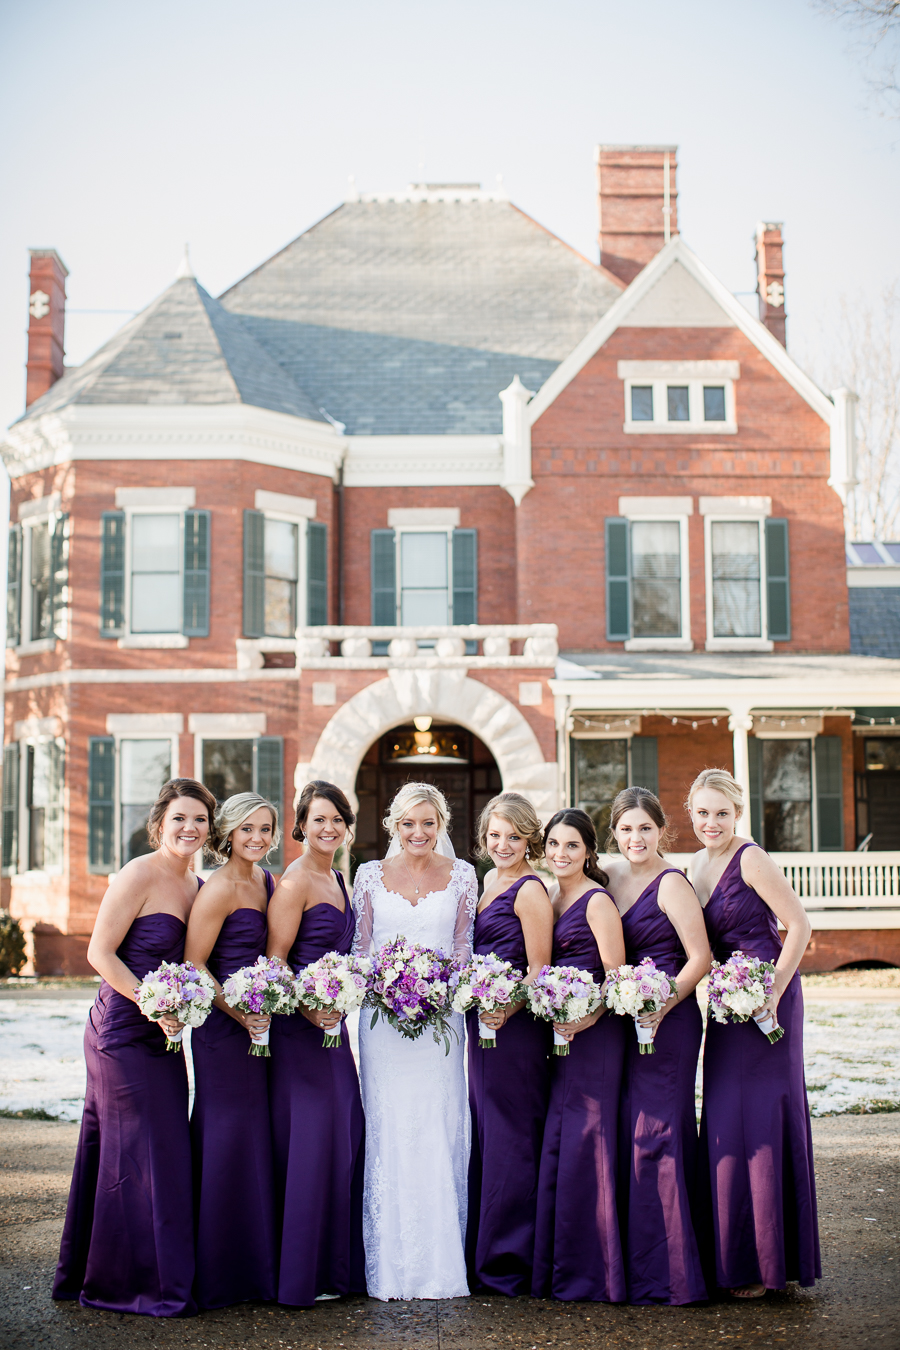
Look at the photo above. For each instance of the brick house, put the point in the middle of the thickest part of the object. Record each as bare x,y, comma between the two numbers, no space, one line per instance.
428,493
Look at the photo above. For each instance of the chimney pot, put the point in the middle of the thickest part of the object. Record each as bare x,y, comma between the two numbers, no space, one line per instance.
46,322
637,188
770,278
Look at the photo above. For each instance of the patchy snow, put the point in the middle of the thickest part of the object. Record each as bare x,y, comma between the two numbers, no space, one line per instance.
852,1054
41,1055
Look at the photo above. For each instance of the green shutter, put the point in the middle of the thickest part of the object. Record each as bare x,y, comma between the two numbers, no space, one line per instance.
778,581
112,574
10,856
618,598
254,574
829,793
14,588
755,749
196,573
384,578
644,766
59,575
268,776
316,573
101,804
465,576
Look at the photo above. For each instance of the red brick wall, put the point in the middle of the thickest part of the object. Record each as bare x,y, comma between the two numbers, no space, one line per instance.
682,752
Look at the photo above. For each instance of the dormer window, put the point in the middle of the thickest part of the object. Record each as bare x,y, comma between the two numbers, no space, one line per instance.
679,396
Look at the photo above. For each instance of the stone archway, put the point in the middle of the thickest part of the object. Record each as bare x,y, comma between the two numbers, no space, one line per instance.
448,694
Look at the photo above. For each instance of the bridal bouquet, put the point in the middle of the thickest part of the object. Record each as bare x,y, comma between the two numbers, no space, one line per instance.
411,990
266,987
563,994
335,983
486,983
738,988
632,991
177,990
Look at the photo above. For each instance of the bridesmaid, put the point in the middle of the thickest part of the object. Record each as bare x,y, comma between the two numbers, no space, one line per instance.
509,1084
661,919
128,1239
230,1120
578,1253
755,1137
317,1116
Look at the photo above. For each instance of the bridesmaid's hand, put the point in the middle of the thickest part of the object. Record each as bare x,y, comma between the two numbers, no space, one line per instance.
770,1007
255,1023
326,1021
653,1019
170,1024
569,1029
500,1018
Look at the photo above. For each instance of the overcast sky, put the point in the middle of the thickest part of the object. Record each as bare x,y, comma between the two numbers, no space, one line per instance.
130,128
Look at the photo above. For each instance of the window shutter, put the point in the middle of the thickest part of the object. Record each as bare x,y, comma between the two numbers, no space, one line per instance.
384,578
10,856
644,766
254,573
59,576
268,773
829,793
112,574
465,576
196,573
101,804
778,581
14,588
757,823
53,813
618,583
316,573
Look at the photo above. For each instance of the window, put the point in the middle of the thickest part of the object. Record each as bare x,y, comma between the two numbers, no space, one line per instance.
156,585
277,552
246,764
736,576
37,580
10,856
714,403
154,576
796,794
678,403
747,575
33,814
424,577
601,768
642,403
646,581
125,775
680,396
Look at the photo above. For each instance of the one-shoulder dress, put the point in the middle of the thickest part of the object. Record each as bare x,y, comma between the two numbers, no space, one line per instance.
755,1138
128,1238
658,1128
317,1134
230,1137
577,1251
509,1087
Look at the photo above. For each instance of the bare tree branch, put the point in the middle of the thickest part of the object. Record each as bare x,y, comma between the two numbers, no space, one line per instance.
876,25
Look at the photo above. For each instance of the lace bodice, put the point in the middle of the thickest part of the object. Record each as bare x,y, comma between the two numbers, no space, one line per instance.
441,919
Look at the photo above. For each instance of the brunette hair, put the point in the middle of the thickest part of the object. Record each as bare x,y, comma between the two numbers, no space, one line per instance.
319,788
720,780
520,814
169,792
232,814
580,820
638,799
410,795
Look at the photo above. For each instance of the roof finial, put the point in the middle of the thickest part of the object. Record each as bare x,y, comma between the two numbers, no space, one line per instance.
185,270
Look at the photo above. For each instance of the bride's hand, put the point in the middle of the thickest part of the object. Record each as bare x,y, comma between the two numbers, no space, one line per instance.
322,1018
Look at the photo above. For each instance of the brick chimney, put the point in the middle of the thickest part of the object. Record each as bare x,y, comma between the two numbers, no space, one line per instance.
770,277
46,321
638,215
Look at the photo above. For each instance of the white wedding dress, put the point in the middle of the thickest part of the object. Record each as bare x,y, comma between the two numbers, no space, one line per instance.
414,1098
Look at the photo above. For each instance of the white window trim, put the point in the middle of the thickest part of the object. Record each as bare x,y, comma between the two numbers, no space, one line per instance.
737,644
400,530
683,643
302,523
152,641
697,424
118,737
22,870
47,513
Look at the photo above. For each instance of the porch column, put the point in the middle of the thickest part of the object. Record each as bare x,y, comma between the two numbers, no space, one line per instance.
739,723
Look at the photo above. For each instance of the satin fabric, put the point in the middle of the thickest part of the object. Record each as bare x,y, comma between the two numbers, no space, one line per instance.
755,1137
317,1135
508,1093
578,1251
230,1135
658,1128
128,1238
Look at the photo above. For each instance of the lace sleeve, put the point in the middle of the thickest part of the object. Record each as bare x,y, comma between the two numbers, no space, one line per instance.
362,908
465,913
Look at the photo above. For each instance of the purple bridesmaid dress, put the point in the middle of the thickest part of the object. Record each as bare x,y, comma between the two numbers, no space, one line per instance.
231,1139
755,1138
658,1128
577,1250
317,1135
508,1092
128,1239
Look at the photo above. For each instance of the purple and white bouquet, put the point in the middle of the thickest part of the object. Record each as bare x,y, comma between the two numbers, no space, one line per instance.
266,987
486,983
738,988
335,983
563,994
411,990
176,989
633,991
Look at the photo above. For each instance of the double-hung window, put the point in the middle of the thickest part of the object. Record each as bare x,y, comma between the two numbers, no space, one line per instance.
603,763
38,576
796,788
285,567
126,770
33,804
647,597
679,396
232,762
747,583
424,570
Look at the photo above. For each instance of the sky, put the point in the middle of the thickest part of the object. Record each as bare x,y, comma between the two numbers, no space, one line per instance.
130,129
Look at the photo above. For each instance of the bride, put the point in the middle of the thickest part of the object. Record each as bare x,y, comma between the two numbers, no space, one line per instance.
414,1095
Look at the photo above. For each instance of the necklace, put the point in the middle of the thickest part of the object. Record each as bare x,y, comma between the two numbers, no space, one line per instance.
424,874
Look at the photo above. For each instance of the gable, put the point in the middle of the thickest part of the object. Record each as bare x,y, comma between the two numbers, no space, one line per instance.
677,300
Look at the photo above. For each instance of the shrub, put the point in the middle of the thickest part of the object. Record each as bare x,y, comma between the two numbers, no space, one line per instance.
12,944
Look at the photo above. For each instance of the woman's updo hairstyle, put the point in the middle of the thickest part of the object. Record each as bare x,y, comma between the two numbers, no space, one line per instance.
579,820
410,795
231,816
170,792
518,812
720,780
638,799
319,788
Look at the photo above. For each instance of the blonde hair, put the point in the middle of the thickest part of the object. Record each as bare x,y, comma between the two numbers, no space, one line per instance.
517,811
720,780
411,794
232,814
